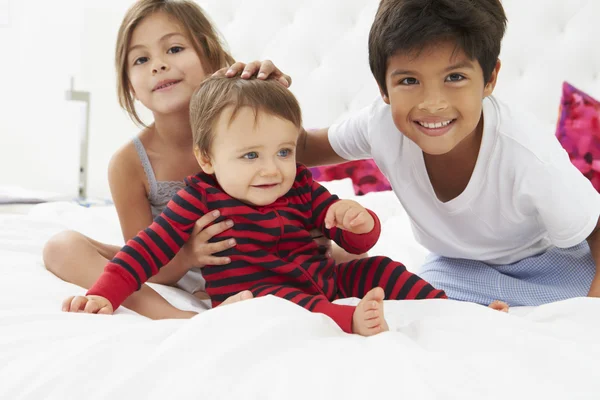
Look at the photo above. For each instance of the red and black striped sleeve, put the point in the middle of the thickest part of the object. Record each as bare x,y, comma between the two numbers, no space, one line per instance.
143,256
321,200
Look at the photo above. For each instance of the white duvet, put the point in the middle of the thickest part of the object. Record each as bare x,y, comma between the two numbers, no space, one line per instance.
268,348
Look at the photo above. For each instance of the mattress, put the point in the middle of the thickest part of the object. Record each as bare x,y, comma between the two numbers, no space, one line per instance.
269,348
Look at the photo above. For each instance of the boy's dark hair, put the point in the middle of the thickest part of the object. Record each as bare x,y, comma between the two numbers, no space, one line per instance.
407,26
217,93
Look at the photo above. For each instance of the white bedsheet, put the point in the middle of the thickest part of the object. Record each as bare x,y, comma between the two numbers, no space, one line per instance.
268,348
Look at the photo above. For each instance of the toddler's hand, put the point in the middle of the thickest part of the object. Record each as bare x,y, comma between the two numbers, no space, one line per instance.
87,304
349,216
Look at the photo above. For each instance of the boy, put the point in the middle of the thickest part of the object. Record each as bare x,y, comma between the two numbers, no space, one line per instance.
489,193
245,135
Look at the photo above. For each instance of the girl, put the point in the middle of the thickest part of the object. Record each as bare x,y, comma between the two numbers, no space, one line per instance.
165,49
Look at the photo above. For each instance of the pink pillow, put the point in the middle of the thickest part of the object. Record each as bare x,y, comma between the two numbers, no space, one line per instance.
578,131
365,175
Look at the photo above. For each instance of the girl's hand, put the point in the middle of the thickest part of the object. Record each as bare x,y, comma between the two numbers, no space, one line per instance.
88,304
349,216
262,69
197,251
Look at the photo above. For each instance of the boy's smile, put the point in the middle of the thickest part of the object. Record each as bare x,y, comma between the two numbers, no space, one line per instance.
436,95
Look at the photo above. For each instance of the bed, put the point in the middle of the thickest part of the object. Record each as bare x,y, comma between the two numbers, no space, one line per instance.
268,348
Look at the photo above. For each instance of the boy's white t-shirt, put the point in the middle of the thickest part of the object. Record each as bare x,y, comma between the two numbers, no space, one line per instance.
524,194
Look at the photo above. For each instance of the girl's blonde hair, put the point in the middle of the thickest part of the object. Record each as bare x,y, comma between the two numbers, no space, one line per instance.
196,27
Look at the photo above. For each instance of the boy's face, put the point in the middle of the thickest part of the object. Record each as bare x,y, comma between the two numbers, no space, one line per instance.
436,96
253,158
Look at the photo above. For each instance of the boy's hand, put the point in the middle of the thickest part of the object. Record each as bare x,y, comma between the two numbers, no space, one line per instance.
349,216
87,304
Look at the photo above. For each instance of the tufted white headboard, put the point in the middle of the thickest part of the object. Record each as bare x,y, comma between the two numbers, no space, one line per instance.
322,44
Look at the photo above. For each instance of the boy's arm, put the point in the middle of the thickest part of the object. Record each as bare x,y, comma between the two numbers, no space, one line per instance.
344,141
314,149
321,200
152,248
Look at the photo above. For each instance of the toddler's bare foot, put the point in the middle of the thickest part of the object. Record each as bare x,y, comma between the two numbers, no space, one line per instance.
368,317
499,306
241,296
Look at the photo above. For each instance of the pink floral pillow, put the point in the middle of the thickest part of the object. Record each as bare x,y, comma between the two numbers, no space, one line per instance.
578,131
365,175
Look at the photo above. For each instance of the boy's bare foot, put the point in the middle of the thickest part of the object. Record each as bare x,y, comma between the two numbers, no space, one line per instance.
499,306
368,317
241,296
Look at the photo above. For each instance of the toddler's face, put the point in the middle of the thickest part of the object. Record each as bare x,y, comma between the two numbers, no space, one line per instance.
436,96
253,157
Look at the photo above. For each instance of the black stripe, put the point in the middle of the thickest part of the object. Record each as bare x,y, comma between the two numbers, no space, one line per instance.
145,246
425,290
220,204
242,227
410,282
175,217
314,304
238,264
172,232
362,281
257,276
186,205
397,271
139,259
301,240
291,295
266,290
304,173
364,263
257,217
131,271
260,286
302,208
377,275
155,237
302,191
213,190
304,301
297,273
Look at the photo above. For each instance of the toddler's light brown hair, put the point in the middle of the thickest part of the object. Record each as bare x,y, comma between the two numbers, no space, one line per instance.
217,93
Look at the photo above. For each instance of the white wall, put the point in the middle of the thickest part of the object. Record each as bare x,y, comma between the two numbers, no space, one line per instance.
39,50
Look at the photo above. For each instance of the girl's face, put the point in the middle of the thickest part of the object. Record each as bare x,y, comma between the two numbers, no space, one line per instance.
163,67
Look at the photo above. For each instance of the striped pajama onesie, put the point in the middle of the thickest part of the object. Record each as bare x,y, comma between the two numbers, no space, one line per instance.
275,253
